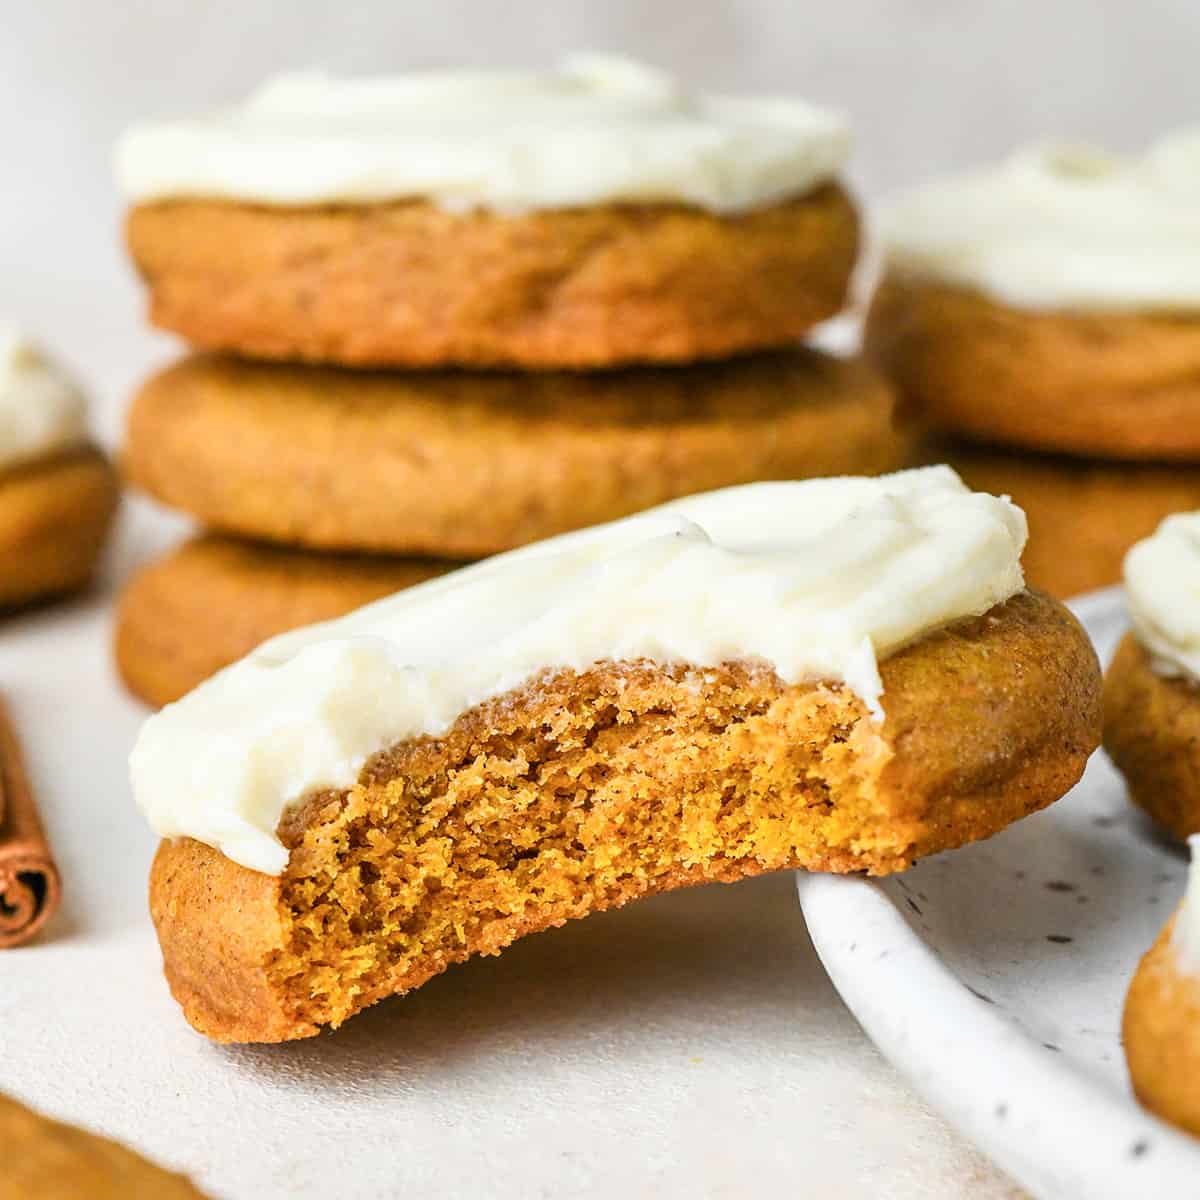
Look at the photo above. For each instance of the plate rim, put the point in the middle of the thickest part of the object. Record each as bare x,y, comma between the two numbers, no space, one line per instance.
1050,1109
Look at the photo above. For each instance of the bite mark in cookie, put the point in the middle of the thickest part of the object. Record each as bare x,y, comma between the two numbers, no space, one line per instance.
836,675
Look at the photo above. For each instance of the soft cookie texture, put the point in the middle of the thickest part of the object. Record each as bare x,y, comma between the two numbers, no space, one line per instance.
461,465
1083,515
54,516
1161,1036
47,1160
409,284
1122,385
581,791
213,599
1152,734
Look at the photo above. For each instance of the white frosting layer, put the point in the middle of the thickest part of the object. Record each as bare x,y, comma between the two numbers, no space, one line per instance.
596,130
1059,227
814,578
1162,593
41,410
1185,936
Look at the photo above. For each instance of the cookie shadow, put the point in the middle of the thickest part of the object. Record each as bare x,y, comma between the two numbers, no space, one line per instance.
707,957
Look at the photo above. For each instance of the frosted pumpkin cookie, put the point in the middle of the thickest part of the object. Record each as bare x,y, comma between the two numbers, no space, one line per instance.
1161,1027
1052,302
464,464
213,599
1152,688
582,217
47,1160
57,491
837,675
1083,515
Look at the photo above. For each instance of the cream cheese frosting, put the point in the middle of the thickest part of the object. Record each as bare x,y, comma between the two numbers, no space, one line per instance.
41,409
816,579
596,130
1185,936
1061,227
1162,593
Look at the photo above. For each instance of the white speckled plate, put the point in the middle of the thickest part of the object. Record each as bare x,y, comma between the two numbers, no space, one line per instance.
995,977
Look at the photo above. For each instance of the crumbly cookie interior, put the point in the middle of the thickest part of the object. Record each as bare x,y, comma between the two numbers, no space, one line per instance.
575,793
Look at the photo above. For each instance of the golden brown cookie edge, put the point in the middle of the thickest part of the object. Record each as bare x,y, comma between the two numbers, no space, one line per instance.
410,285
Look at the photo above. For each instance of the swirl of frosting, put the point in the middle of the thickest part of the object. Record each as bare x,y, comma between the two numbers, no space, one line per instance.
1061,227
41,410
816,578
1162,593
596,130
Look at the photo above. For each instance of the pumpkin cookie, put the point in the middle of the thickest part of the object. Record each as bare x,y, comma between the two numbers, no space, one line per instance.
1052,303
1151,690
460,465
57,492
1152,734
410,285
1161,1026
1083,515
54,517
47,1160
213,599
768,677
586,217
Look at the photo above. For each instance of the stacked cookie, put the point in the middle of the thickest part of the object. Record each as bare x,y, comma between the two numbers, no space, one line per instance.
46,1159
469,311
1043,318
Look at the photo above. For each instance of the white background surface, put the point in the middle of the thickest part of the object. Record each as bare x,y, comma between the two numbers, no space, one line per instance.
688,1046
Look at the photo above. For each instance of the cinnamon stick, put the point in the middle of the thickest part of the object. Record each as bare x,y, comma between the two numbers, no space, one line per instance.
29,883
